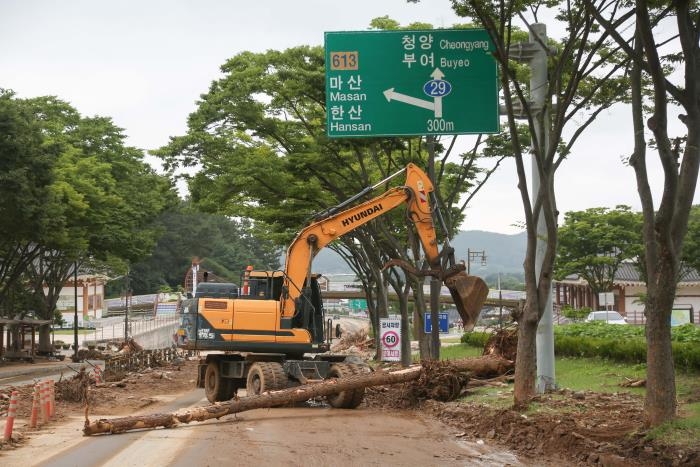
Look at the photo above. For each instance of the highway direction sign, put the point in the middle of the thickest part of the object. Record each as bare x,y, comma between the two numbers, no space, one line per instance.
402,83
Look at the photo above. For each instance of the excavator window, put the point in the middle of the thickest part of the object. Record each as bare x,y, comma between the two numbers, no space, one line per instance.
264,285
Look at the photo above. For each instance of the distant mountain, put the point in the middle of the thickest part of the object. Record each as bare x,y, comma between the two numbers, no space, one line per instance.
504,253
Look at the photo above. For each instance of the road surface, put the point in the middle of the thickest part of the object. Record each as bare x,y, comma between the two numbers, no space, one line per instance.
308,436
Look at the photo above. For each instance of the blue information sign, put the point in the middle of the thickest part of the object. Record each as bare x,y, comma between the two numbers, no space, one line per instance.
443,324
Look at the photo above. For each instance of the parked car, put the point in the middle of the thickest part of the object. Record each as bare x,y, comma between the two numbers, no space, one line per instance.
609,316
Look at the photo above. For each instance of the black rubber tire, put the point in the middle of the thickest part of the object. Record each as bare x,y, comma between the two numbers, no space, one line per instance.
265,376
216,388
358,394
344,399
277,379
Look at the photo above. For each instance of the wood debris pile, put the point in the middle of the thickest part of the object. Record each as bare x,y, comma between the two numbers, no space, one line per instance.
503,343
74,389
357,342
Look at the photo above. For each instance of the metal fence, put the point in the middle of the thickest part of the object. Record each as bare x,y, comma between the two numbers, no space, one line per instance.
111,330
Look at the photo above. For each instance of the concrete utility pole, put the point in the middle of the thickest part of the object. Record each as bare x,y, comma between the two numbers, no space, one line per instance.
534,53
75,312
538,90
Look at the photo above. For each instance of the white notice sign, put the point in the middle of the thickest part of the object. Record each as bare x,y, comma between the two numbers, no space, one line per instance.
390,337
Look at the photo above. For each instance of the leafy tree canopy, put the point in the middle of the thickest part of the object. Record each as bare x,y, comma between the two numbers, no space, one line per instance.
593,243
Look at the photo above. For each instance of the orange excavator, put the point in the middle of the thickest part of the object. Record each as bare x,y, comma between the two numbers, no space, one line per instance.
269,333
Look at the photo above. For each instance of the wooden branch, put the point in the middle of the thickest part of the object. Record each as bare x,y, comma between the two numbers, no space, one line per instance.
488,365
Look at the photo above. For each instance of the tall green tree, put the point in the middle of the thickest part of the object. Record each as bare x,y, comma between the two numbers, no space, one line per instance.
582,78
226,246
593,243
691,245
94,204
659,38
26,172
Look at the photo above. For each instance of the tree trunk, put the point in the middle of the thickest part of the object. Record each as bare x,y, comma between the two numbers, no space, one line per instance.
487,366
660,401
45,339
526,365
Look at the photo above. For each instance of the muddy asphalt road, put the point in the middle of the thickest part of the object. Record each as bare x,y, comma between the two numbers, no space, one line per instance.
308,436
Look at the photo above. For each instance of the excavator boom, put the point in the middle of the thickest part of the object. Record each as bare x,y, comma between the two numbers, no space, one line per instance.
468,292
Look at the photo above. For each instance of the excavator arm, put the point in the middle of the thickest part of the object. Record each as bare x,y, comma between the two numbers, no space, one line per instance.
468,292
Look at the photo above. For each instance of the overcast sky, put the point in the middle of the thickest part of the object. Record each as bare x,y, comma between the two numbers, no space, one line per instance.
145,63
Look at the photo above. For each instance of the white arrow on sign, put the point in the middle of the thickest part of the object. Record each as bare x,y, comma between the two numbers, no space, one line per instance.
410,100
437,75
435,106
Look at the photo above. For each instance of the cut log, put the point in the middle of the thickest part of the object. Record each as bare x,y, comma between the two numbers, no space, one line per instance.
489,365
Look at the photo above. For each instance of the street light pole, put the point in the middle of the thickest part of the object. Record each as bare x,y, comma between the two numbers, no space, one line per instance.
474,255
75,312
126,310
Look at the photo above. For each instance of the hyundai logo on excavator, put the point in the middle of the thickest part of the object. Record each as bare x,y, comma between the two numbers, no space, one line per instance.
362,214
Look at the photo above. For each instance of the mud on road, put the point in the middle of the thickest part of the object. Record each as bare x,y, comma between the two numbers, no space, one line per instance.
387,429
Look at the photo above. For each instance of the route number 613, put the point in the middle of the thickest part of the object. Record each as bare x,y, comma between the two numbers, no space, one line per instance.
344,60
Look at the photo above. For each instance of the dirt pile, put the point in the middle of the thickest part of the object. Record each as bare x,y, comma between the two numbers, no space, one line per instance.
581,428
586,428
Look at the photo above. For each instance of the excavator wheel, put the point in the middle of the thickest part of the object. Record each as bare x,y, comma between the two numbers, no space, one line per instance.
469,294
217,388
266,376
345,399
358,369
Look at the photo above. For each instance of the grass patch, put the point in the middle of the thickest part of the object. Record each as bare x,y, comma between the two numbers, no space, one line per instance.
454,352
592,374
684,431
451,340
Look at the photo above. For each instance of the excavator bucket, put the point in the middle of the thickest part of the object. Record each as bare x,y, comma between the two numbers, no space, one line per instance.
469,294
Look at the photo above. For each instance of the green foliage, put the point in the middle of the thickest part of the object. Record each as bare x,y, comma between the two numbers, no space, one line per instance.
81,196
691,243
615,342
685,333
624,343
223,245
26,163
477,339
575,314
593,243
508,281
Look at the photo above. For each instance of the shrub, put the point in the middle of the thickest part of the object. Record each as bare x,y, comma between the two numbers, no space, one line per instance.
575,314
614,342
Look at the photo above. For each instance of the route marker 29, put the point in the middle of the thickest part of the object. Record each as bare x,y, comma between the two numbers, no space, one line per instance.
408,82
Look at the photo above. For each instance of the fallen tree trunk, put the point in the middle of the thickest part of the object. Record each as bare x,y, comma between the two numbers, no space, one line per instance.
481,365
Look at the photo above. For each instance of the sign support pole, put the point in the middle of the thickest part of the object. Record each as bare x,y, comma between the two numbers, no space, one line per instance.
538,89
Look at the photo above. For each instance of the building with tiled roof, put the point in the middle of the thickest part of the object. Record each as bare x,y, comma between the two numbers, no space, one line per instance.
627,293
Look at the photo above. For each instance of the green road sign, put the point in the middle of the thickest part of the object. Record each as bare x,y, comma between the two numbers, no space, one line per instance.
358,304
400,83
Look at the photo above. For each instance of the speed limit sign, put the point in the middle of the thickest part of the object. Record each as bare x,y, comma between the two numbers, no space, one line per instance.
390,338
